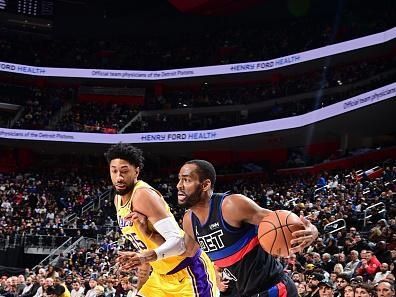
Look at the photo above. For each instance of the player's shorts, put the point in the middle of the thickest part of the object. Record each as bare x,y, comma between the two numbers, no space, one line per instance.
284,288
194,276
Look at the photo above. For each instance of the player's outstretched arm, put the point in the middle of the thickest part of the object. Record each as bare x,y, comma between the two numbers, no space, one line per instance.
239,208
149,204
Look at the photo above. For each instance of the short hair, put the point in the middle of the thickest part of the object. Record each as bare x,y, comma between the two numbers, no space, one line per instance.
391,284
205,170
344,276
126,152
125,280
364,286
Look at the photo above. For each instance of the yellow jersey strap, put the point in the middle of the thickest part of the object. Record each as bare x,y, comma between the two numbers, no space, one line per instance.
128,204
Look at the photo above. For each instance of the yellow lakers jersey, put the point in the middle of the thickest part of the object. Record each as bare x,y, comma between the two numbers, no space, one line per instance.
138,238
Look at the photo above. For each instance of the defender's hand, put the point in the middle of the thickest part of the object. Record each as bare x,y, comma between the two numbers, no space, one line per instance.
130,260
140,221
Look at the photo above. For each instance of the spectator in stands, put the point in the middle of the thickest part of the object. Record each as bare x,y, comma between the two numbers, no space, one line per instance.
9,290
68,278
32,289
333,277
360,243
92,284
331,246
109,289
129,284
326,288
20,284
296,277
313,283
360,264
341,259
49,283
316,258
293,265
51,272
350,267
41,289
352,231
375,234
338,269
370,266
58,289
382,274
382,253
321,182
341,282
99,290
61,258
302,289
349,245
3,281
327,263
28,285
319,246
349,291
78,290
385,288
363,290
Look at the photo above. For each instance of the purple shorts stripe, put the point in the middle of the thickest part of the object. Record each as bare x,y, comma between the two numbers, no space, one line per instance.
185,263
201,276
194,283
208,276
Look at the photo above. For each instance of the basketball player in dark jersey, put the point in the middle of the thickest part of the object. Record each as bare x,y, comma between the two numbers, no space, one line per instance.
225,225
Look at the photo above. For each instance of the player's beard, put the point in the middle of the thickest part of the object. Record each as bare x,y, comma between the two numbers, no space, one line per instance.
192,199
125,191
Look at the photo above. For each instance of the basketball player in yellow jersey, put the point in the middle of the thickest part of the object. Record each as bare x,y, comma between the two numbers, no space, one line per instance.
177,271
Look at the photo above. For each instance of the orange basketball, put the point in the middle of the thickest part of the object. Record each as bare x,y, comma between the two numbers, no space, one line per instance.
275,232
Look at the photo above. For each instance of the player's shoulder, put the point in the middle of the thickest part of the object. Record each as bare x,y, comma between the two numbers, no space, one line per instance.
233,199
145,191
187,214
187,222
233,202
147,197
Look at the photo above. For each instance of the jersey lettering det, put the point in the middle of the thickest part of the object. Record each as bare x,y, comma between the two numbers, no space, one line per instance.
211,242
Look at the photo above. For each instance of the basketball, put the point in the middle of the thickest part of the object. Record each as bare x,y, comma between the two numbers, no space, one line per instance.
275,232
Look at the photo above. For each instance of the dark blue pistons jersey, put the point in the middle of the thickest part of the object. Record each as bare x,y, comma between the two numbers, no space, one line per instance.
236,251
